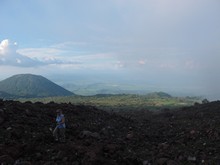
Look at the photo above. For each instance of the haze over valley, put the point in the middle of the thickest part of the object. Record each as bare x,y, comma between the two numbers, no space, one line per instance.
155,45
110,82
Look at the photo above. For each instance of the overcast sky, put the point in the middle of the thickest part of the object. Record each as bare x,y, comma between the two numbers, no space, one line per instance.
169,44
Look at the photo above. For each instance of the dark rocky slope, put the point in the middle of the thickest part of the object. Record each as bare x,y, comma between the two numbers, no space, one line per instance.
187,136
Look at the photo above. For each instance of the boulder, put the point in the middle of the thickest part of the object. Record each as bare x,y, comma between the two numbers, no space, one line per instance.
86,134
2,116
161,161
6,159
1,119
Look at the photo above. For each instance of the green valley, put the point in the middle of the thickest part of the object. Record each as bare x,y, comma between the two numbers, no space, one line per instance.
151,101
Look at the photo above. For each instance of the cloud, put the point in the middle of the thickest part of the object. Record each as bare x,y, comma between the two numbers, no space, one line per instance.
191,64
5,47
9,56
72,55
31,57
141,62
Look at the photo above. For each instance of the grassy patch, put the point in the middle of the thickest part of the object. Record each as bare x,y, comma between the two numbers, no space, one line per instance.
122,102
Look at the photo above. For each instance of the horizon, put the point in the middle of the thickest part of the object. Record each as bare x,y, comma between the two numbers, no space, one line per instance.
127,88
170,46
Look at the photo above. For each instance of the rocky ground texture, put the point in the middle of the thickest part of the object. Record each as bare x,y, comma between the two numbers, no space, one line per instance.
170,137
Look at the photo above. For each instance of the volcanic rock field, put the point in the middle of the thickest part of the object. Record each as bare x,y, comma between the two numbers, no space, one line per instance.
189,135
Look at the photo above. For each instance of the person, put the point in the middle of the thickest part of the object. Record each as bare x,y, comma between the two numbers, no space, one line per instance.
59,131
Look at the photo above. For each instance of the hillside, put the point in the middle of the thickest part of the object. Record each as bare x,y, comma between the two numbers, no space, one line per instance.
106,88
186,136
6,95
28,85
159,95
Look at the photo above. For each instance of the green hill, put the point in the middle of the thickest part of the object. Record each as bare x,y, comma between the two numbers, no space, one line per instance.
159,95
28,85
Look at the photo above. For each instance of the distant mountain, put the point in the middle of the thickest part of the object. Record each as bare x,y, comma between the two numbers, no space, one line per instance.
159,95
28,85
105,88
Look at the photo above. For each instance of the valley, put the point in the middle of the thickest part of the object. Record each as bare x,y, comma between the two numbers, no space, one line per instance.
151,101
153,128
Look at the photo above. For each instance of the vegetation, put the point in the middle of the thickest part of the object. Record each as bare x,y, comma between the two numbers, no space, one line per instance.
124,101
106,88
28,85
35,88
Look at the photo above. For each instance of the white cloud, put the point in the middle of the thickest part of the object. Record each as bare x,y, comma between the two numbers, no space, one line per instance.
31,57
141,62
40,52
72,55
167,66
6,47
191,64
9,56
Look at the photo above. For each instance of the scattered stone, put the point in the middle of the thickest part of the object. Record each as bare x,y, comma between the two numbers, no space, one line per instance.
130,135
75,163
163,146
14,151
99,138
6,159
1,120
1,112
95,135
20,162
162,161
192,132
65,159
191,158
110,148
27,112
60,155
1,102
104,132
9,128
38,155
172,162
145,162
86,134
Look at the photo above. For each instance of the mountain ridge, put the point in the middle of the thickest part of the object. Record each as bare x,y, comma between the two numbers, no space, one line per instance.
29,85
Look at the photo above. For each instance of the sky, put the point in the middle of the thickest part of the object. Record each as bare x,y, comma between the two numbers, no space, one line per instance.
168,45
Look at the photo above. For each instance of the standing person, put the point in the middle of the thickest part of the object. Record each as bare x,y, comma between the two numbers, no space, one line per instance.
59,131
